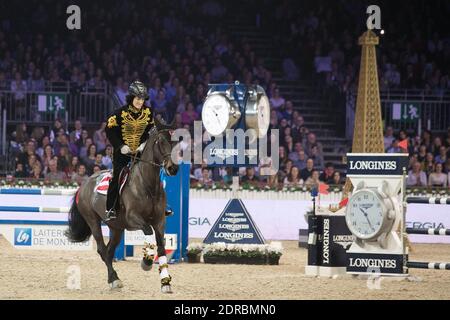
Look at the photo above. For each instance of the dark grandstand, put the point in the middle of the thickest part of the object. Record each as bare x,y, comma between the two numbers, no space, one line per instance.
304,53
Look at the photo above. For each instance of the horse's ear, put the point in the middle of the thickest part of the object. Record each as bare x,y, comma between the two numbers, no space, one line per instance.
172,125
157,123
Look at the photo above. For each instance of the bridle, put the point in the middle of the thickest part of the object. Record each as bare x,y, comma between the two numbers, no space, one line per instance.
157,142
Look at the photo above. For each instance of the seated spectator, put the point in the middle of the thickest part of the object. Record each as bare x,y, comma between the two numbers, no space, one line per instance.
89,160
36,172
437,178
422,154
57,126
218,72
80,177
190,115
301,161
428,165
388,137
285,170
121,90
205,178
313,180
416,177
160,103
317,157
327,175
83,150
293,179
63,141
53,174
107,157
99,161
96,169
288,112
311,141
436,146
75,135
48,155
442,156
21,134
32,160
64,159
306,173
288,144
72,167
20,171
294,155
19,89
447,166
30,150
277,101
100,138
250,176
336,178
227,175
394,148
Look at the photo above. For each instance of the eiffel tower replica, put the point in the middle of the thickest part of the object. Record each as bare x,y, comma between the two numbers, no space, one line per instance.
368,131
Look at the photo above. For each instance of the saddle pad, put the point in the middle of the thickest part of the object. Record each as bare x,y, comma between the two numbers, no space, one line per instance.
102,186
104,179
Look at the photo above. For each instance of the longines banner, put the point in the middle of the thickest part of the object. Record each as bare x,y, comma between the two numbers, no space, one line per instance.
377,165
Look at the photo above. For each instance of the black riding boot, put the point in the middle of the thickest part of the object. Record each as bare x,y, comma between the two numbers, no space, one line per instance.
111,202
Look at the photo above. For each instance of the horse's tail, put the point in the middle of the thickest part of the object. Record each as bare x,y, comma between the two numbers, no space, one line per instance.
78,230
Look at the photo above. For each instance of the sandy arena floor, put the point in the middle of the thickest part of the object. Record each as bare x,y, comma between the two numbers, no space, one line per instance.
42,275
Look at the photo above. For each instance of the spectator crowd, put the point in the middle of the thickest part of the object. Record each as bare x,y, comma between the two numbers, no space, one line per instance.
177,50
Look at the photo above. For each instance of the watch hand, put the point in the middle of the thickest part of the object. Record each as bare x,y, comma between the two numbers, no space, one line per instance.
367,218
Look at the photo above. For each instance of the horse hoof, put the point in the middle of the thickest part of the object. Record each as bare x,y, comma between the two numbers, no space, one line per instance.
166,289
116,284
146,265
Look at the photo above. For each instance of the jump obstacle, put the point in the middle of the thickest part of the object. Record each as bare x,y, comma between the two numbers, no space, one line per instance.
428,231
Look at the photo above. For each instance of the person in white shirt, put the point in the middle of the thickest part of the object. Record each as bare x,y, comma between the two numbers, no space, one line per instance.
416,177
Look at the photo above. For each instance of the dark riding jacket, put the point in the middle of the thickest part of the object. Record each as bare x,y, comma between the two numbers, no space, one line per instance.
129,126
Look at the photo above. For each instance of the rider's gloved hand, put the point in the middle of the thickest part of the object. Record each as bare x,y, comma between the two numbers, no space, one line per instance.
125,149
141,147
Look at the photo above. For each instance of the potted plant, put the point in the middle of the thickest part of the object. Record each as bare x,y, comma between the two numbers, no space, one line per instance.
274,252
194,251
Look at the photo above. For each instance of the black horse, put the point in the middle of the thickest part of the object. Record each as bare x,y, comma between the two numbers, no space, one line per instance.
142,207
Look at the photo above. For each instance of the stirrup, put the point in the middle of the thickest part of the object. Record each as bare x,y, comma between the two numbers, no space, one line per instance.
111,214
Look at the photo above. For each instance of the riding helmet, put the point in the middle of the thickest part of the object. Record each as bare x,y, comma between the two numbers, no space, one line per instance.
138,89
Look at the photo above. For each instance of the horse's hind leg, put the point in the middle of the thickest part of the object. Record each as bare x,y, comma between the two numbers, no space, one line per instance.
162,259
98,236
114,240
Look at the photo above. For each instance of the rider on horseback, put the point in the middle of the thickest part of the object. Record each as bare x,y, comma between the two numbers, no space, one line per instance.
127,130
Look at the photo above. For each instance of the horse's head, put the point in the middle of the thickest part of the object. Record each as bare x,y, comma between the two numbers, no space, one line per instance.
162,145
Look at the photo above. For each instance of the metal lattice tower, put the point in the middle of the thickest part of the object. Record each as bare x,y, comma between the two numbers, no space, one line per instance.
368,132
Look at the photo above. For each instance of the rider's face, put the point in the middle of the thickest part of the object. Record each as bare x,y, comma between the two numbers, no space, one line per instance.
138,102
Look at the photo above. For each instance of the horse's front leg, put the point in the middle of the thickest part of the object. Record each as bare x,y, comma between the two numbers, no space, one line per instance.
162,260
149,248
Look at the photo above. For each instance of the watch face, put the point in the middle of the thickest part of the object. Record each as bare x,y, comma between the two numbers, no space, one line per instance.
263,116
216,114
365,214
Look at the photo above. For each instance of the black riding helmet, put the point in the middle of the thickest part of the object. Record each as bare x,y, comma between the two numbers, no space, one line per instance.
138,89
